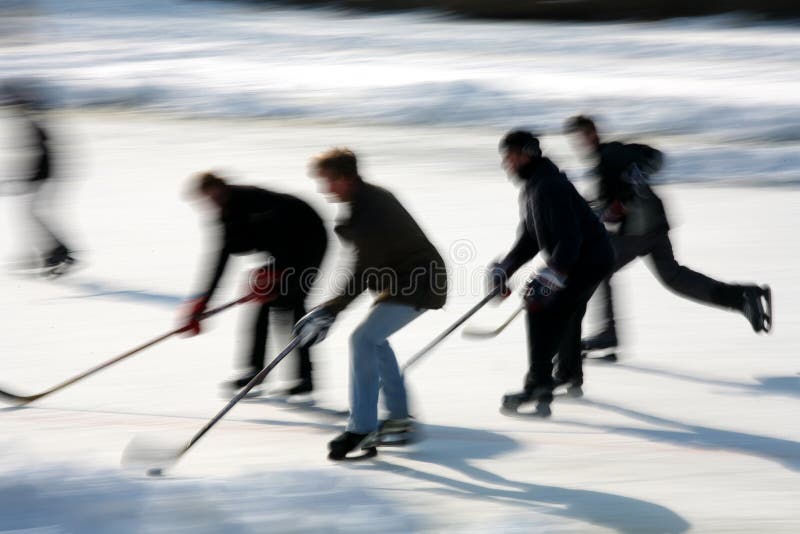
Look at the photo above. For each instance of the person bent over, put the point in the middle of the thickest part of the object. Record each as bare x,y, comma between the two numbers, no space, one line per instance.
395,260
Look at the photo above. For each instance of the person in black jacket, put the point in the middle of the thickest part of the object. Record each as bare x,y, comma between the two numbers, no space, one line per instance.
293,236
56,256
396,261
627,201
557,221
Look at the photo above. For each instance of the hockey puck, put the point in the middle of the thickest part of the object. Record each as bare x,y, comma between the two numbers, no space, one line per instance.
155,472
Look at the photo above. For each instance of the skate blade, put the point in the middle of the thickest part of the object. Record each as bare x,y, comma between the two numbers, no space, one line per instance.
597,356
254,393
226,391
390,440
572,392
39,271
541,412
280,396
363,454
62,269
303,399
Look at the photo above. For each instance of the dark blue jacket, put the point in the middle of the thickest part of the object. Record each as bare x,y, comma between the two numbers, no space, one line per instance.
557,220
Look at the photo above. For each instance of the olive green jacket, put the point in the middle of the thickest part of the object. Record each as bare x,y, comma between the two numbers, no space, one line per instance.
393,256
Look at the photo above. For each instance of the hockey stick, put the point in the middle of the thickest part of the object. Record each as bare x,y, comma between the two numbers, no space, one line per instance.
25,399
438,339
478,333
135,453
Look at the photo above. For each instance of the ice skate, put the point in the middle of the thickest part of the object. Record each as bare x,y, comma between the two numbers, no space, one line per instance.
601,346
757,307
542,396
393,432
572,387
347,442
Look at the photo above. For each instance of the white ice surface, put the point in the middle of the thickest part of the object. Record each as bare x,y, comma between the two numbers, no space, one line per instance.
696,429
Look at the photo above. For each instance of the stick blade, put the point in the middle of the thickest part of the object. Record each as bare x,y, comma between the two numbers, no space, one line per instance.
10,397
475,333
152,454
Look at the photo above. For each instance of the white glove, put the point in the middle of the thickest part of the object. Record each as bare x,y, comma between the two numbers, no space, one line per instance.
313,326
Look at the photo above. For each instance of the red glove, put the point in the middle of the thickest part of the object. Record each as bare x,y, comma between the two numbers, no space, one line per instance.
614,213
191,322
265,283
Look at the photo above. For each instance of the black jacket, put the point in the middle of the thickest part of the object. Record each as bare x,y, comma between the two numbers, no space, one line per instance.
558,221
394,258
258,220
623,172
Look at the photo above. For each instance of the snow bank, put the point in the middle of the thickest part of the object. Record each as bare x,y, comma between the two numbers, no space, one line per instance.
714,77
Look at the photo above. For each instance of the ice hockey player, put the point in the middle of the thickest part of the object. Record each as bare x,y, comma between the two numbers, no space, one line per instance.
56,256
627,201
395,260
294,239
557,221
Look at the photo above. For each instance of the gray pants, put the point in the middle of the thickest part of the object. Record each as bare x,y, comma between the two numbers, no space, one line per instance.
657,249
43,238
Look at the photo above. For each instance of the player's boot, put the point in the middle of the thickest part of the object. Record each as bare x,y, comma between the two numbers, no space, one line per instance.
238,383
393,432
303,388
57,264
345,443
541,395
574,385
757,307
604,340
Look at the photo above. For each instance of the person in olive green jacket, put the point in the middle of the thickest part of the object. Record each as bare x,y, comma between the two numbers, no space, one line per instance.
396,261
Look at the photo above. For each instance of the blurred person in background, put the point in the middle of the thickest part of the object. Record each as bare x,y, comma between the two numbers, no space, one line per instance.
293,237
54,256
557,221
627,202
394,259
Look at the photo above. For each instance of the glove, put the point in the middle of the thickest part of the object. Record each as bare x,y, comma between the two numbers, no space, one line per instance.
542,288
265,283
191,322
498,279
313,326
614,213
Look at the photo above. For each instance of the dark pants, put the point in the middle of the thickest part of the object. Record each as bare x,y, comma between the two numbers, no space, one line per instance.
293,303
657,249
556,330
292,299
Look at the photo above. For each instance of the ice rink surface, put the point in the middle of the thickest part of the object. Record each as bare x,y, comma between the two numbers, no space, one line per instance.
695,429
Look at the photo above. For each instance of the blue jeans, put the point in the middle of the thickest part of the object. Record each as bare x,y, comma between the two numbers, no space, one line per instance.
373,366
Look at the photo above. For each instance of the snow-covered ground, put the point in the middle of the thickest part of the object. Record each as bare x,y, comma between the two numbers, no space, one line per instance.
724,89
696,429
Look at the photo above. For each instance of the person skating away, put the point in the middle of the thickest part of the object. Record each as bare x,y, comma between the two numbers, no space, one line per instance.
626,200
557,221
395,260
55,256
294,239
